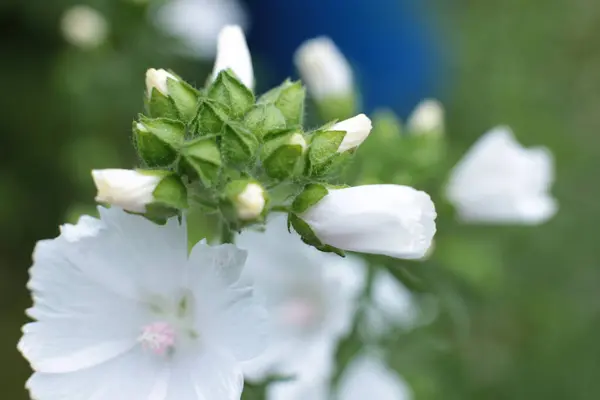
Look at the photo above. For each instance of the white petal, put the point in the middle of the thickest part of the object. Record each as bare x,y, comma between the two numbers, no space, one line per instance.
132,376
288,273
225,262
393,220
499,181
357,130
86,227
233,53
367,377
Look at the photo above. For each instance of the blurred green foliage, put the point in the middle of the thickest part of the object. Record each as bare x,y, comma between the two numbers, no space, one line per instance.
520,307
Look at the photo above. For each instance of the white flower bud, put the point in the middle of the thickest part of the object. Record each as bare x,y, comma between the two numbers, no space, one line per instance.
499,181
84,27
324,69
233,53
157,79
393,220
298,139
428,117
128,189
250,202
357,130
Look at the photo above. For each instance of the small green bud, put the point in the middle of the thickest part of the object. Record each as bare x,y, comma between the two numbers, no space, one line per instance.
169,96
289,98
244,201
282,154
264,118
157,140
202,155
238,144
232,93
210,119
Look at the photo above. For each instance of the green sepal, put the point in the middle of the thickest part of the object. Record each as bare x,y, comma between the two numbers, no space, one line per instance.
289,98
160,106
310,195
323,150
185,98
209,119
281,164
171,192
264,118
232,93
204,158
308,236
158,140
238,144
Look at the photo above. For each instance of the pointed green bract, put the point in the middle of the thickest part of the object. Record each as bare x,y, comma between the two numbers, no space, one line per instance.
232,93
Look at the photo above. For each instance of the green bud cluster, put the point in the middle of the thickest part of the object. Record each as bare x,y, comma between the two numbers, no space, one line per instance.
224,143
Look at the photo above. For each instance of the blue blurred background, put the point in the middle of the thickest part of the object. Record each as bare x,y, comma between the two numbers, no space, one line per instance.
530,295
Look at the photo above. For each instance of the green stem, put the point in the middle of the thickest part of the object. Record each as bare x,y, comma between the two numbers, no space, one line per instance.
227,235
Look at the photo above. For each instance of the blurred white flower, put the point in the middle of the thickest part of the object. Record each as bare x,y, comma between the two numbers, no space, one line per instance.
393,220
428,117
311,298
197,23
233,53
391,306
357,130
122,313
125,188
157,79
499,181
84,27
366,377
250,203
324,69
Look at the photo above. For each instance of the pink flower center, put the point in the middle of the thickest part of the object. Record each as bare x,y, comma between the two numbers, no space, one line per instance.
299,313
158,337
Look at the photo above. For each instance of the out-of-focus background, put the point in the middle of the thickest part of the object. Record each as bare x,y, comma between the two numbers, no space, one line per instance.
527,300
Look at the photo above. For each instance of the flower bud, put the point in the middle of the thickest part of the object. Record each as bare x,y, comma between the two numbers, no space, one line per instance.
202,155
282,154
157,140
329,78
239,146
392,220
233,54
228,91
499,181
427,118
264,118
169,96
157,79
357,130
324,69
84,27
160,194
246,200
289,98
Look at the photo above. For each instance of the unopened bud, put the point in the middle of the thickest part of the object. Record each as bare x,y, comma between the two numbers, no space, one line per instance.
357,130
427,118
246,201
233,54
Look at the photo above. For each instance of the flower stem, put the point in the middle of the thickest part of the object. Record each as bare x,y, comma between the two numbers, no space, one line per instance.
226,233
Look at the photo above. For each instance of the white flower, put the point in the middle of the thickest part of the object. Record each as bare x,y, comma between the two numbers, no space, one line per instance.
250,203
357,130
391,306
233,53
366,377
428,117
499,181
324,69
393,220
84,27
197,23
122,313
311,298
125,188
157,79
